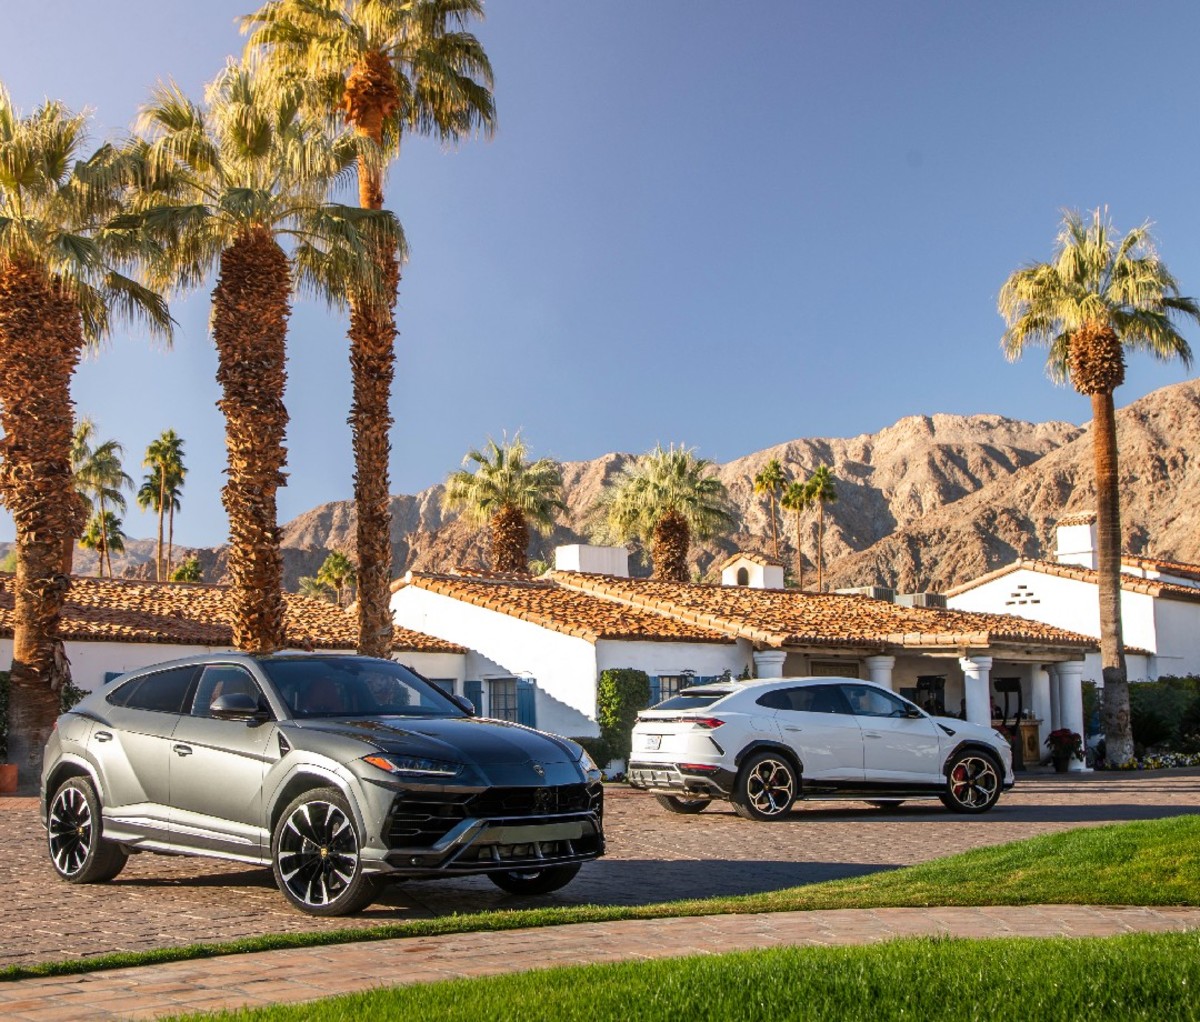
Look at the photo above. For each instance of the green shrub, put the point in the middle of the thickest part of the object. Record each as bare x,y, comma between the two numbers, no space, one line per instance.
620,694
1165,713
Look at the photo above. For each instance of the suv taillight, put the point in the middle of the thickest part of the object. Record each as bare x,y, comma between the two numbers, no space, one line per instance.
708,723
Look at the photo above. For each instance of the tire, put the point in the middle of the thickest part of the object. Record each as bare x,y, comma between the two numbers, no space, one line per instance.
767,787
315,856
683,806
887,805
535,881
973,782
74,836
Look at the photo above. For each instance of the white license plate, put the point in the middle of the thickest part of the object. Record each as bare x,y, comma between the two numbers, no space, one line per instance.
652,743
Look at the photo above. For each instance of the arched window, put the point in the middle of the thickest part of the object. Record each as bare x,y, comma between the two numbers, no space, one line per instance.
743,577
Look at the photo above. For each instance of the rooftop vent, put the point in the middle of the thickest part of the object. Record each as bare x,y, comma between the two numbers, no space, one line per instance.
936,601
597,560
875,592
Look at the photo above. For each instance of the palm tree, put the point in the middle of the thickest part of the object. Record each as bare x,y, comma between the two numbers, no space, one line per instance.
1099,296
821,491
666,498
315,590
386,68
797,500
509,494
337,572
771,481
164,458
188,571
104,534
100,479
222,188
63,285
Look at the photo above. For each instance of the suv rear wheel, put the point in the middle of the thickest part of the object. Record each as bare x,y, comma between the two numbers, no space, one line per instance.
315,856
767,787
74,831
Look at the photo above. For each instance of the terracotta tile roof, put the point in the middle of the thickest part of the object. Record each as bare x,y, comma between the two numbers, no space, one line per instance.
1129,583
544,602
194,614
1176,568
1078,518
762,560
781,617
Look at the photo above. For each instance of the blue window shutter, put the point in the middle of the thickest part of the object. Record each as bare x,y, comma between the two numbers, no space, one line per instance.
655,690
526,704
473,690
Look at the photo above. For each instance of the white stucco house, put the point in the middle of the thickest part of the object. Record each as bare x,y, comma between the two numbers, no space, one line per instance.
110,626
537,646
1160,601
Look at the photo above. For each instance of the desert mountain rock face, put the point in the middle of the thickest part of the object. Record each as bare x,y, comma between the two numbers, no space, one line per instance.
924,504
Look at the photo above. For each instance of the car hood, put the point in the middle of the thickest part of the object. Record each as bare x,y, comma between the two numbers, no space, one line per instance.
484,743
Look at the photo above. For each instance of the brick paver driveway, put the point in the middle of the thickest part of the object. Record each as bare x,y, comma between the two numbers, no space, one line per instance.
653,856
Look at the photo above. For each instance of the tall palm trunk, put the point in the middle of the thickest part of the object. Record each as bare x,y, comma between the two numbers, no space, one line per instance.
370,97
41,339
250,313
774,526
104,557
820,546
510,540
669,548
162,500
799,558
1108,563
170,537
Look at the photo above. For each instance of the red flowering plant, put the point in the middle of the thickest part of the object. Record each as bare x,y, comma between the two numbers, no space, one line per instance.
1065,743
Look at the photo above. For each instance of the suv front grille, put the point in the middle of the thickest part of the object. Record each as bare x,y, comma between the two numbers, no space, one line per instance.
420,819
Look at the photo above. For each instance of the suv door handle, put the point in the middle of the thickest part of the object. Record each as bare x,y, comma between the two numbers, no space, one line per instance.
872,734
789,727
104,736
183,750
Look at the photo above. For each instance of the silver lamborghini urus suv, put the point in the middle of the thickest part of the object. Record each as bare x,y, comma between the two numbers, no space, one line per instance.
338,771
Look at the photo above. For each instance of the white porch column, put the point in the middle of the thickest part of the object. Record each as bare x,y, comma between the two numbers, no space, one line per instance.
1070,677
977,691
879,669
1039,701
1055,697
768,663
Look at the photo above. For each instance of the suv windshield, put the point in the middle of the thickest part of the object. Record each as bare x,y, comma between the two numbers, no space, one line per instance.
355,687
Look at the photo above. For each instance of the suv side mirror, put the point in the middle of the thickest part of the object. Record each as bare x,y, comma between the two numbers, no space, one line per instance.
465,704
912,711
238,706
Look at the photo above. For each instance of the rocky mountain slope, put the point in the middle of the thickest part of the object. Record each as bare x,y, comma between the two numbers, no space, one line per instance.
923,504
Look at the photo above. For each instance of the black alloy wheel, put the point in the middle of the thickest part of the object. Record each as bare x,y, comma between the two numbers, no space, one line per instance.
78,851
683,806
535,881
315,856
767,787
972,782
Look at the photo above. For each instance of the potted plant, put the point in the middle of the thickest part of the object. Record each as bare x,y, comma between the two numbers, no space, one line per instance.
8,771
1064,745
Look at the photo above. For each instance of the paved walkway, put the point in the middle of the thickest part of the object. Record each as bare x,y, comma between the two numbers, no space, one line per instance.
304,974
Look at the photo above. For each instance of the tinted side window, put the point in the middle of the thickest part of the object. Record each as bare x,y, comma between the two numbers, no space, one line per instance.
806,699
873,702
163,691
222,680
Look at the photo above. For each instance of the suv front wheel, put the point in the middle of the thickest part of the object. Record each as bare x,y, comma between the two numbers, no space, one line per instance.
972,782
315,856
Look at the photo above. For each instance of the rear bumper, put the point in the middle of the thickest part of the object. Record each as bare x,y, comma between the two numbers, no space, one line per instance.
670,779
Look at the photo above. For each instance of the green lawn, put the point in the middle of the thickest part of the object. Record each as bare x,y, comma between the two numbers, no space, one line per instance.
1154,862
1153,977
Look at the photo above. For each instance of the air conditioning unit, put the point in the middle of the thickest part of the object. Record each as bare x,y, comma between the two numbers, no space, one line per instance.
936,601
875,592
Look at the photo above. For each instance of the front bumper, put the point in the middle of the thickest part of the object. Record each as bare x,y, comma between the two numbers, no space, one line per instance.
430,834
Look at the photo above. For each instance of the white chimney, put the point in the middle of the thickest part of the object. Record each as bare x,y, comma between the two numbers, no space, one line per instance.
1075,539
598,560
752,571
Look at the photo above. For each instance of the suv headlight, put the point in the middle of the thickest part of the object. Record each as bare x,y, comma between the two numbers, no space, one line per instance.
414,765
588,765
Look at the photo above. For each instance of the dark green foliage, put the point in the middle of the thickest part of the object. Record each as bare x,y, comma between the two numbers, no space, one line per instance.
620,694
1166,713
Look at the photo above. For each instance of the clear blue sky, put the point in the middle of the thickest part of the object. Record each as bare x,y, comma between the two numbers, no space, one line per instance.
711,222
